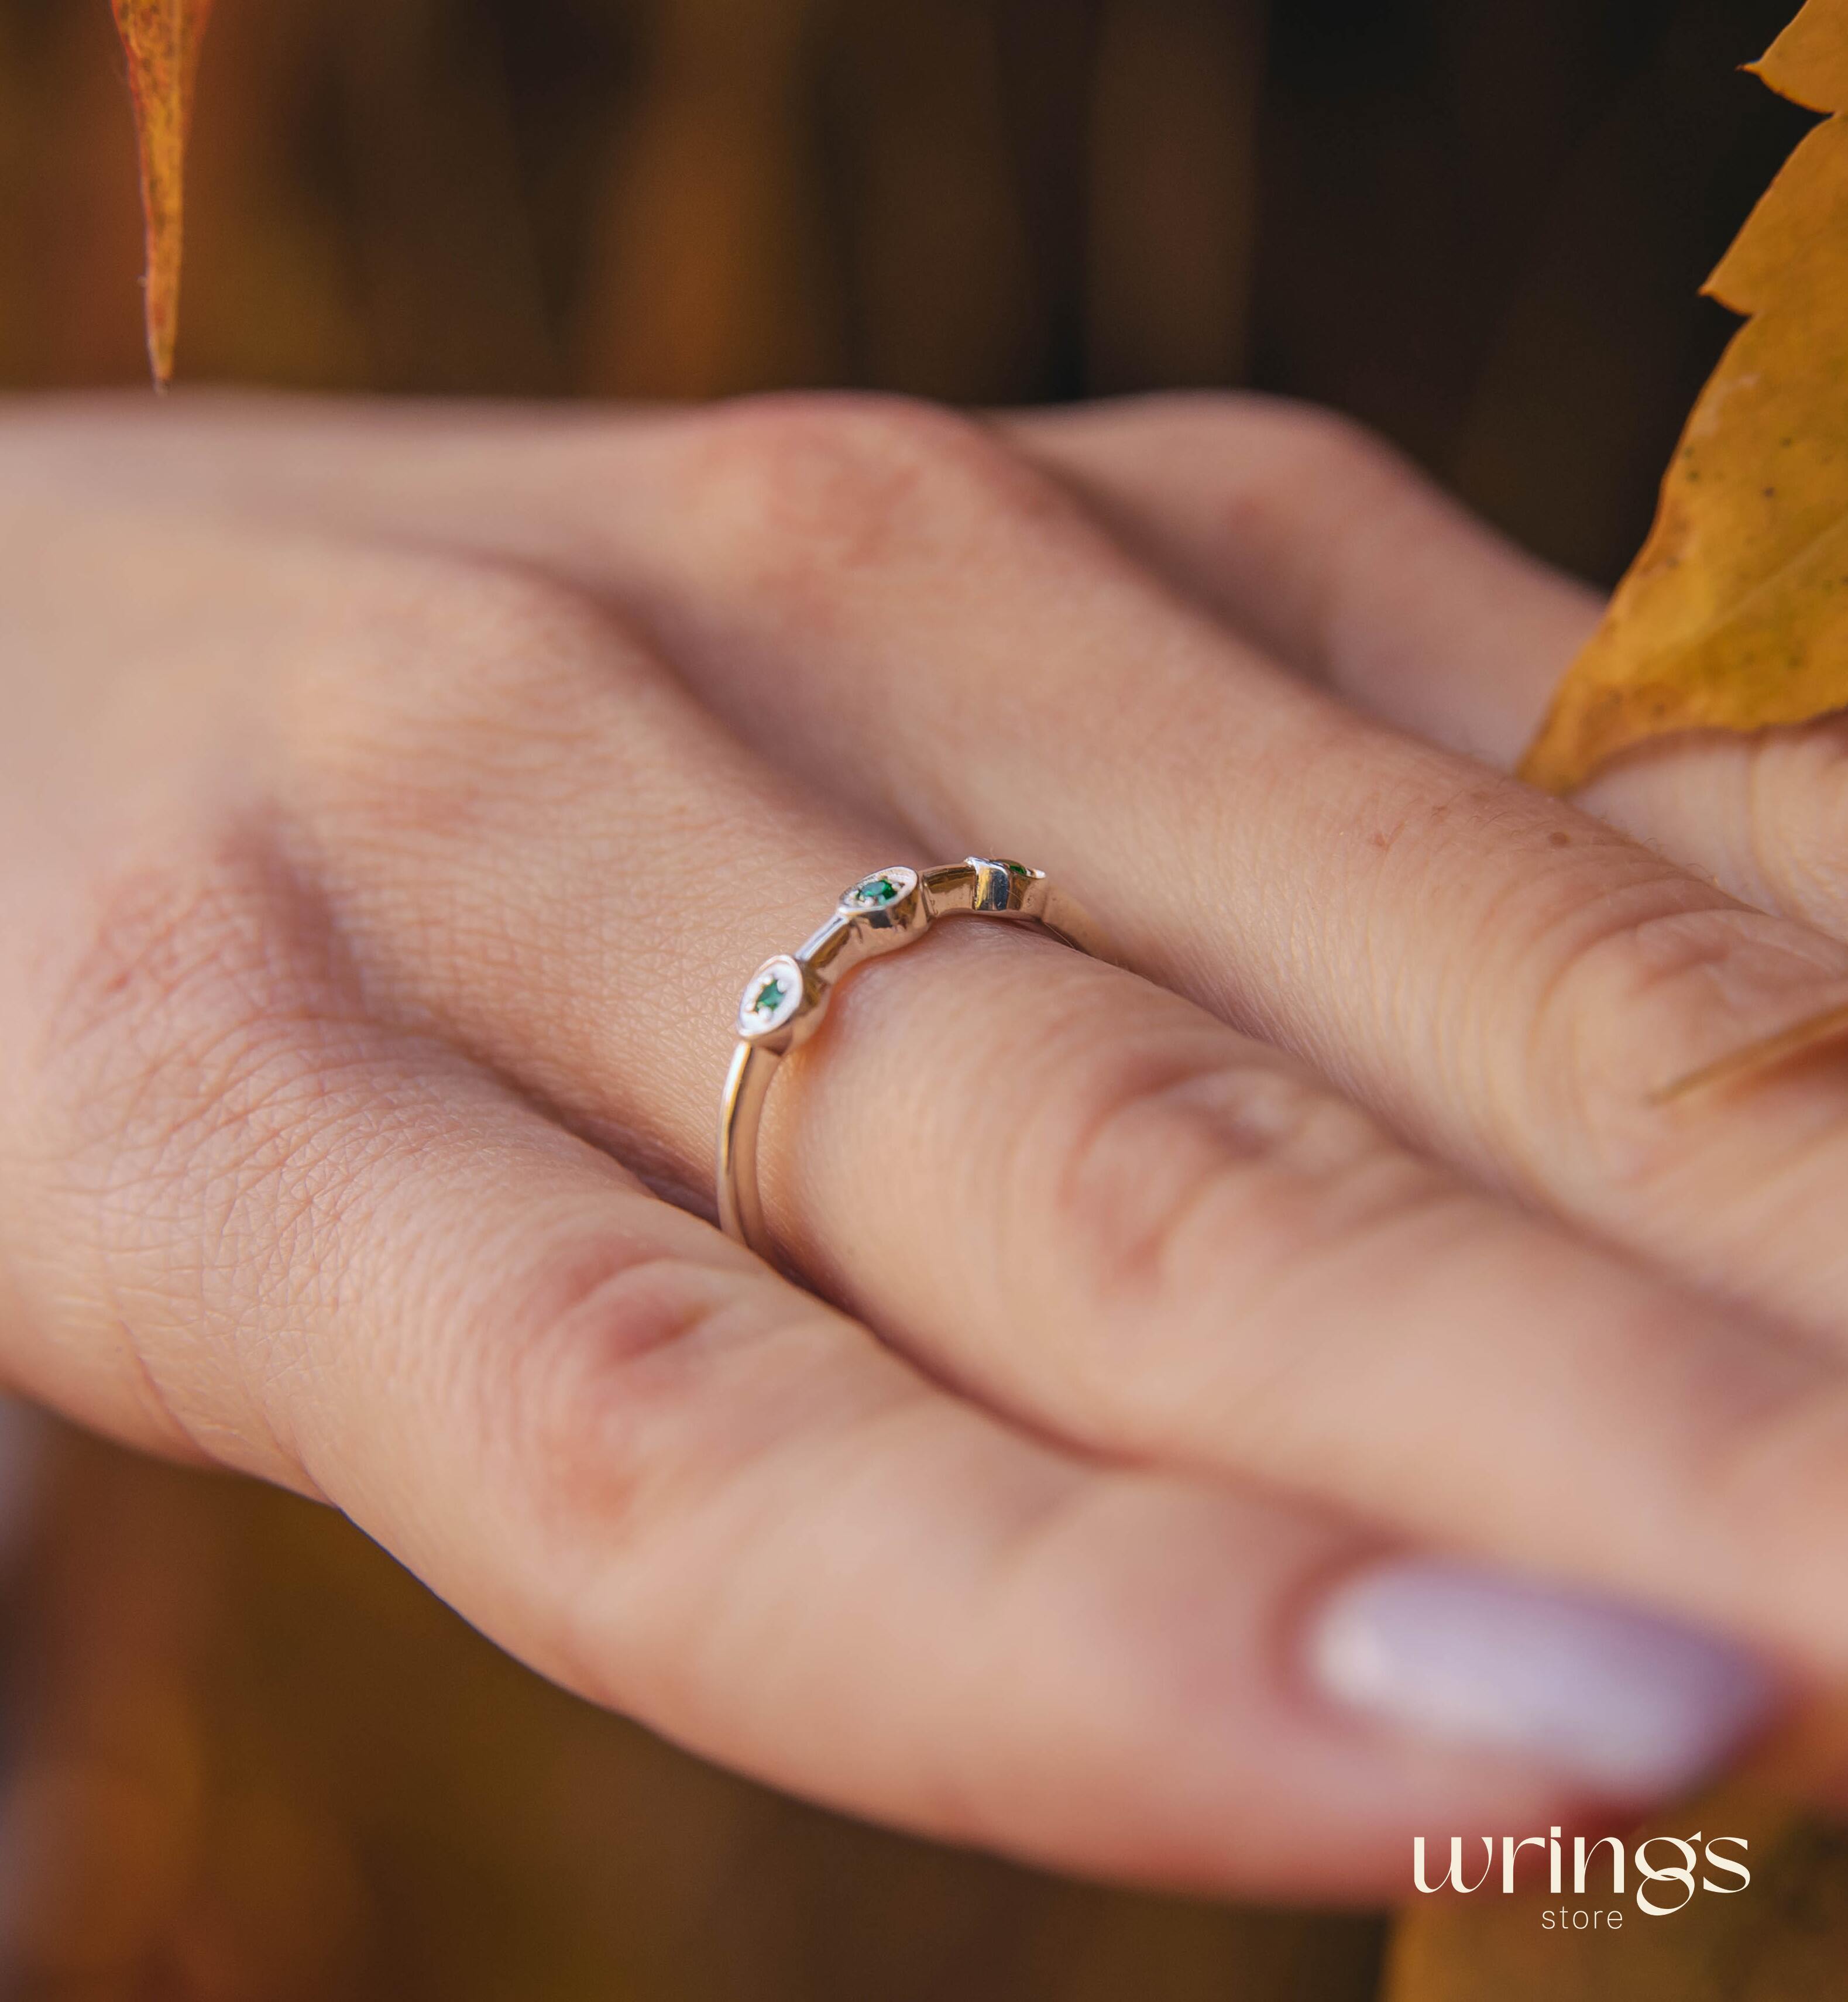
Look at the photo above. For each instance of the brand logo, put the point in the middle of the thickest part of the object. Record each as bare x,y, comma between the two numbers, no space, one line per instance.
1665,1872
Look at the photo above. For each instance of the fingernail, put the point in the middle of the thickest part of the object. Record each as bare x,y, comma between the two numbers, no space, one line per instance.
1635,1706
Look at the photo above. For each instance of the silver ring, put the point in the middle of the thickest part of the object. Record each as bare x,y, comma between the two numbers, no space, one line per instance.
786,999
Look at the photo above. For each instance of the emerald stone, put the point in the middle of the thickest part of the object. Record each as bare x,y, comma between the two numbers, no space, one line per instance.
773,998
874,893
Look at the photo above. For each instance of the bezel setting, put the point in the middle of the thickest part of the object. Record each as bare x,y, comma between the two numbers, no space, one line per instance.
885,890
775,995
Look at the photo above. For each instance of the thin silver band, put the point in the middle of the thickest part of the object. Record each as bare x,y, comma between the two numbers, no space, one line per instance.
786,1000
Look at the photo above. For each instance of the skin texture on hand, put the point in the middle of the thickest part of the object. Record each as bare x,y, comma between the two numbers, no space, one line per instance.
394,806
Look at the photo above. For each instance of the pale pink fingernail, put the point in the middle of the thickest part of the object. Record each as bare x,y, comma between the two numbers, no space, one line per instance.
1634,1705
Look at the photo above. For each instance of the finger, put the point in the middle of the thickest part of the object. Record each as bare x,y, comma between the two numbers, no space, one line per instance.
1216,1400
1166,1240
1323,545
239,1214
1506,979
1305,532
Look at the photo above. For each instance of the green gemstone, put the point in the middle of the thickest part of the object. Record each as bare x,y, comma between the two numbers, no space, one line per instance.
770,997
876,890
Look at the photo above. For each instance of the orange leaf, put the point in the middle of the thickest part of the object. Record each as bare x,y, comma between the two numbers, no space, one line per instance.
162,38
1735,615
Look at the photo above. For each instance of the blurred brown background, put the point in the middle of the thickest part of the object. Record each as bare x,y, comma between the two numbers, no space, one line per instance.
1480,227
247,1760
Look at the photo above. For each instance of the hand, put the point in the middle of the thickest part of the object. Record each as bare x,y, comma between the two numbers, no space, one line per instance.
395,804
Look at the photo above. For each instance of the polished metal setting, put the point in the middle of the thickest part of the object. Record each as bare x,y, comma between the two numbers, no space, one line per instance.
786,999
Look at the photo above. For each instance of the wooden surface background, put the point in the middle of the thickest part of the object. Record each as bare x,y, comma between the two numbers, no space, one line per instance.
247,1760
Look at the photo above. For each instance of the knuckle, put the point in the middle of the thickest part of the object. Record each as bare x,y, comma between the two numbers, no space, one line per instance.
184,949
459,645
1328,443
1280,448
459,687
186,1160
1321,470
1209,1186
1646,987
612,1341
633,1402
799,485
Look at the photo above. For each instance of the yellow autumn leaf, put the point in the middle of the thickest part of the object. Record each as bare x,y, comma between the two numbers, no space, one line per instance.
1735,615
162,38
